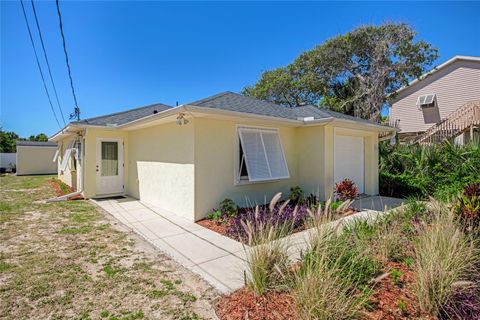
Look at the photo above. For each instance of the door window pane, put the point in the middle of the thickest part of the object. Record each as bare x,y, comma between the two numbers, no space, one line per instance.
109,158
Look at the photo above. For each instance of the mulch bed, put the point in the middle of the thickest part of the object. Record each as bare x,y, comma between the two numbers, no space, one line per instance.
387,295
59,192
218,227
244,304
384,301
222,227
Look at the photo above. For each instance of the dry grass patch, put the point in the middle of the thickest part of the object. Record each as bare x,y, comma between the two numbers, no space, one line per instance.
68,260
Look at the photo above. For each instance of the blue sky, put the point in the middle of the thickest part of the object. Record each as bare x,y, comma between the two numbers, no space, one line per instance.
129,54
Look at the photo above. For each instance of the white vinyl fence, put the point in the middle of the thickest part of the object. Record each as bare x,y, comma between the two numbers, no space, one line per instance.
8,160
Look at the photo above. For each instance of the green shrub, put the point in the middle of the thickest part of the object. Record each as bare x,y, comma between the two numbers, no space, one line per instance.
396,276
228,207
467,205
296,196
440,170
215,215
402,185
402,306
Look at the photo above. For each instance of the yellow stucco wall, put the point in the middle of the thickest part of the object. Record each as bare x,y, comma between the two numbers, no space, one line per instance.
311,164
161,167
35,160
310,157
215,150
189,169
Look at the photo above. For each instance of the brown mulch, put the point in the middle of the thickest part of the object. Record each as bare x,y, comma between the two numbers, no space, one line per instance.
244,304
55,183
222,227
218,227
387,295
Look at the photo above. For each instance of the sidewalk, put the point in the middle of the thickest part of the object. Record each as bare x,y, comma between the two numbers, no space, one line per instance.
217,259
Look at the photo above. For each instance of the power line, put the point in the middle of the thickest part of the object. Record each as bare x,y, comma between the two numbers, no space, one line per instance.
76,113
48,64
38,64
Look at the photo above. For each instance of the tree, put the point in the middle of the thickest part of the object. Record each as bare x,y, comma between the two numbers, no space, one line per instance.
352,73
39,137
8,141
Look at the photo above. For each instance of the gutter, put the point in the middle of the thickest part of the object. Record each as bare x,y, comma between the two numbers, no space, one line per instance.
388,137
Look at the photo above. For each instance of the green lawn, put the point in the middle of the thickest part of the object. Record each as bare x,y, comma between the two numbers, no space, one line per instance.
69,261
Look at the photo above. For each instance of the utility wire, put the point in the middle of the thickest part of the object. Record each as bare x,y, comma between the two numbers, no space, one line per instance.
76,113
48,64
38,64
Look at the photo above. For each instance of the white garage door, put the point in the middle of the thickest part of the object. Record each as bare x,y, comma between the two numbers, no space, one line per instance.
349,160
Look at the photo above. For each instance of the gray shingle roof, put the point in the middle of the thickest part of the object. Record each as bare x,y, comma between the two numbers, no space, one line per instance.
36,143
240,103
229,101
119,118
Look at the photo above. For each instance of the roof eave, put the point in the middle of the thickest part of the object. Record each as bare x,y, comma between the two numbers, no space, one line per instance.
66,131
376,127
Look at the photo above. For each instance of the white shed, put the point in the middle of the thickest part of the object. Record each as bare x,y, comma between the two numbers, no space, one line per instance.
36,157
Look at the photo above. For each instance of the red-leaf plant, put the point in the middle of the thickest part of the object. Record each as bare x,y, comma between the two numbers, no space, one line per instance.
346,190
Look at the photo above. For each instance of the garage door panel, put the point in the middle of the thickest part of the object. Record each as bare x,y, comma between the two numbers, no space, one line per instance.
349,160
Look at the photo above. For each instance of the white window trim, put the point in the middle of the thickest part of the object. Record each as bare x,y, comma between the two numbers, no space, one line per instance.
238,180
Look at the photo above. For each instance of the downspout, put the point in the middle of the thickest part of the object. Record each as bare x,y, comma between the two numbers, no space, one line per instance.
65,197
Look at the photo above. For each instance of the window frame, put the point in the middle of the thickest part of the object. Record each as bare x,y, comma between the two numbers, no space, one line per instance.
427,105
242,180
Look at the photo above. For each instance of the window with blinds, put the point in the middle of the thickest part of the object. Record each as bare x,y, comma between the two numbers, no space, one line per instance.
262,155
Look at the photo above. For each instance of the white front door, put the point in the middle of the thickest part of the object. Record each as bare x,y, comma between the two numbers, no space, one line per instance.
349,160
109,166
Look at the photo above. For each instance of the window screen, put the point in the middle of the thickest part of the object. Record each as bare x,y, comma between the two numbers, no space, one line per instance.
263,154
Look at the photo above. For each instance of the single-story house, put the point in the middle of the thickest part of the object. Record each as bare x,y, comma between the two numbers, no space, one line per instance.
34,157
188,158
451,91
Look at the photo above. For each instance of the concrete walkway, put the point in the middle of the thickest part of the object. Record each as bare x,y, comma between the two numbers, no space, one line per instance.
217,259
377,203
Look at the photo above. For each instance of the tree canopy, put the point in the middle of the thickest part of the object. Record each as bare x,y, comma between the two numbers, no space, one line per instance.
8,140
352,73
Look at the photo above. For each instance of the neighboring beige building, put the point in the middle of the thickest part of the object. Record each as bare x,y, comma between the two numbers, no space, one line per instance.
435,96
187,159
36,158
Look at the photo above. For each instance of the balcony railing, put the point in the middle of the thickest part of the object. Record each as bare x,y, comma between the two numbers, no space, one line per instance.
465,117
